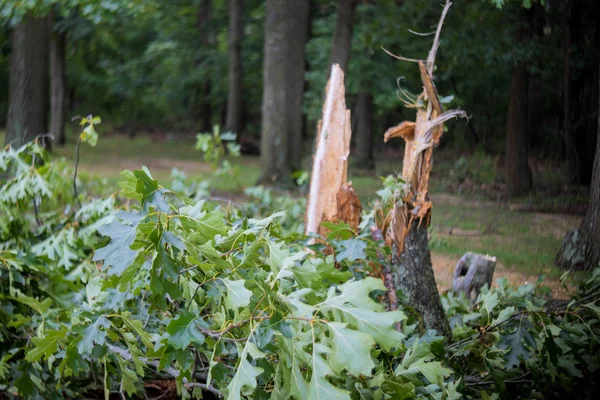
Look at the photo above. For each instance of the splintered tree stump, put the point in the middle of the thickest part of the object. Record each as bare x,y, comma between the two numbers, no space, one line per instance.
472,272
331,198
405,226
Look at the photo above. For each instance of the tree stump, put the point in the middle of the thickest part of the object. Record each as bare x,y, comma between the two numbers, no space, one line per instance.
472,272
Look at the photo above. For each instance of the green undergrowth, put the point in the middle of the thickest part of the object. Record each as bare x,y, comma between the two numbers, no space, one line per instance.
101,292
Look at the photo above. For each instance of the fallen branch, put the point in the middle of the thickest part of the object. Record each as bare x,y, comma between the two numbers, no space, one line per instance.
124,354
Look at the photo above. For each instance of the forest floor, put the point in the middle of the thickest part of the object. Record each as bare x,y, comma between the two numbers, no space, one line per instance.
523,239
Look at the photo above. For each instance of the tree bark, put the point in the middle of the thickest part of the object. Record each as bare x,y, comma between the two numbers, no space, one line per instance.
570,148
283,91
298,37
58,87
342,37
413,274
517,171
363,150
518,174
233,121
580,248
204,108
28,87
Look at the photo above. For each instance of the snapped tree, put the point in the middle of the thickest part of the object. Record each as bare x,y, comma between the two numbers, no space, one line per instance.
405,228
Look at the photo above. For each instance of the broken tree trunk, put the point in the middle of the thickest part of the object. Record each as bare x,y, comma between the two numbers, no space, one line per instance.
331,198
472,272
409,218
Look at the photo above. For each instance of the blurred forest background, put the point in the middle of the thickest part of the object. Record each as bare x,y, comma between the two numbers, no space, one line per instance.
159,72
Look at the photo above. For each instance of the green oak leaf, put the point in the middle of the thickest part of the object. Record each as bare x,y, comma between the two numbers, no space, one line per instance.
237,294
183,330
351,350
319,387
128,184
244,380
352,249
93,334
207,224
118,254
46,346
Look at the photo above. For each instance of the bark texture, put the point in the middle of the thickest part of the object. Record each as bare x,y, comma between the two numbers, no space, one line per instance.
581,91
517,171
233,121
581,247
342,37
516,166
58,87
413,273
28,92
363,151
286,29
298,23
203,107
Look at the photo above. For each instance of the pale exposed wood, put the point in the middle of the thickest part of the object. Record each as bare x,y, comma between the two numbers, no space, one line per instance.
330,197
405,130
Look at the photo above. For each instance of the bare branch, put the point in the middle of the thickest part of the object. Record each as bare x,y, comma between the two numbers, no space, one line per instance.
436,40
400,57
169,370
440,119
421,33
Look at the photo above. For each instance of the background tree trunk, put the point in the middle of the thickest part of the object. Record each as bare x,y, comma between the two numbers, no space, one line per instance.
518,174
28,93
58,87
570,149
283,89
234,99
298,37
580,248
342,37
517,171
363,151
413,274
204,109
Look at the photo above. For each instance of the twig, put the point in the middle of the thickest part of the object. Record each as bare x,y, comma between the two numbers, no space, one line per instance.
421,33
415,60
35,206
436,40
204,386
75,195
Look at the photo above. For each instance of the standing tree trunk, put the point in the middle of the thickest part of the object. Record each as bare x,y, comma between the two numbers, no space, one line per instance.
518,174
233,121
28,92
342,37
580,248
204,109
570,148
283,89
413,273
58,86
364,130
517,171
298,36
